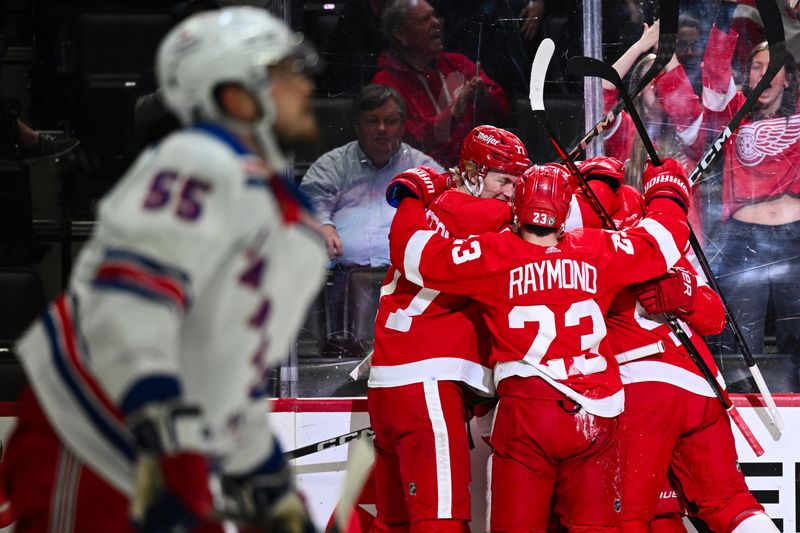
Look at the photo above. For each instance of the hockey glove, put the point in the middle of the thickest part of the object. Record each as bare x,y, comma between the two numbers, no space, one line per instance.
666,181
674,292
422,183
172,475
266,499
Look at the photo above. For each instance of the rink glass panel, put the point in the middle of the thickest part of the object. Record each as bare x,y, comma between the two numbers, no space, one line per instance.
349,40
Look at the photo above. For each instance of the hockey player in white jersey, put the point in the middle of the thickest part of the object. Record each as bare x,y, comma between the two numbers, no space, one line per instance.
147,375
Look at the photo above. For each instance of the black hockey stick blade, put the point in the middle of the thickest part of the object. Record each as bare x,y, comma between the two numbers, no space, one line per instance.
333,442
667,37
773,26
589,66
668,33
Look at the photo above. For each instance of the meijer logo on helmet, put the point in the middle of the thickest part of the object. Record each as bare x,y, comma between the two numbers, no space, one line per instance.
488,138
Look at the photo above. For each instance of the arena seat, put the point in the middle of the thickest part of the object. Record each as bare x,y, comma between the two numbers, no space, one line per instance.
315,328
113,51
22,299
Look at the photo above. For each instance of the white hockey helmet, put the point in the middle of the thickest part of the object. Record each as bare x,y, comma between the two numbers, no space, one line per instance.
232,45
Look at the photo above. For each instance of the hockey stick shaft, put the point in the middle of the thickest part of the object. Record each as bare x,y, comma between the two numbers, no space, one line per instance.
333,442
747,433
541,61
359,465
589,66
537,74
773,27
595,67
668,13
771,17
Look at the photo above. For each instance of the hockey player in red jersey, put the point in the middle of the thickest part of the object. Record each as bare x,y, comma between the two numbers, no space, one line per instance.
147,377
544,294
432,352
693,436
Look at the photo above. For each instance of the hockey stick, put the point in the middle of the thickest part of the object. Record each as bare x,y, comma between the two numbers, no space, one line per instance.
538,72
668,16
588,66
536,95
773,27
362,457
333,442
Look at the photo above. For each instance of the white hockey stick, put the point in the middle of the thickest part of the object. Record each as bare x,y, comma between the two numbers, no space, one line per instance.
362,457
362,369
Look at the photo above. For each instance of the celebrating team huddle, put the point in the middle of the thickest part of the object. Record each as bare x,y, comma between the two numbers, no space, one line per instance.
566,332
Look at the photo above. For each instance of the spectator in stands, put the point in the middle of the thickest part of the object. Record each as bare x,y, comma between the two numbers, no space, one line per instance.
670,110
17,139
22,142
746,22
689,49
502,34
347,186
760,244
446,93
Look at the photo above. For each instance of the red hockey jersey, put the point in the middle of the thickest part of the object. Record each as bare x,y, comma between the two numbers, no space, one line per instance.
423,334
644,345
544,305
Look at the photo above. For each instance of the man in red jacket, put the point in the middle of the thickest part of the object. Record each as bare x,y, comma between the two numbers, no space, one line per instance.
446,93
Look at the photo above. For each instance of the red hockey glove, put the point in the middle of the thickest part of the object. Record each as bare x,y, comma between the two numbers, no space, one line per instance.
666,181
607,196
422,183
674,292
172,477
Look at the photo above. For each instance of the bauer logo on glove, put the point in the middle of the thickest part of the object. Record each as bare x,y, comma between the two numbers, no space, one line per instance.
422,183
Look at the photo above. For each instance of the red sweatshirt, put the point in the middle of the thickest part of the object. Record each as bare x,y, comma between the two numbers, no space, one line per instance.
429,96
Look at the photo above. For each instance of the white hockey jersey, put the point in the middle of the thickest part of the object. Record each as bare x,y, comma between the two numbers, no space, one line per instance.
197,278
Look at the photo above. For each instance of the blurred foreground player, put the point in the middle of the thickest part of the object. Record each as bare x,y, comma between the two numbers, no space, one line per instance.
148,374
544,294
432,353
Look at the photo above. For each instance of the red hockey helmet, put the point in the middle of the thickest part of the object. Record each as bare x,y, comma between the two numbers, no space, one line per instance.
542,196
603,165
491,148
